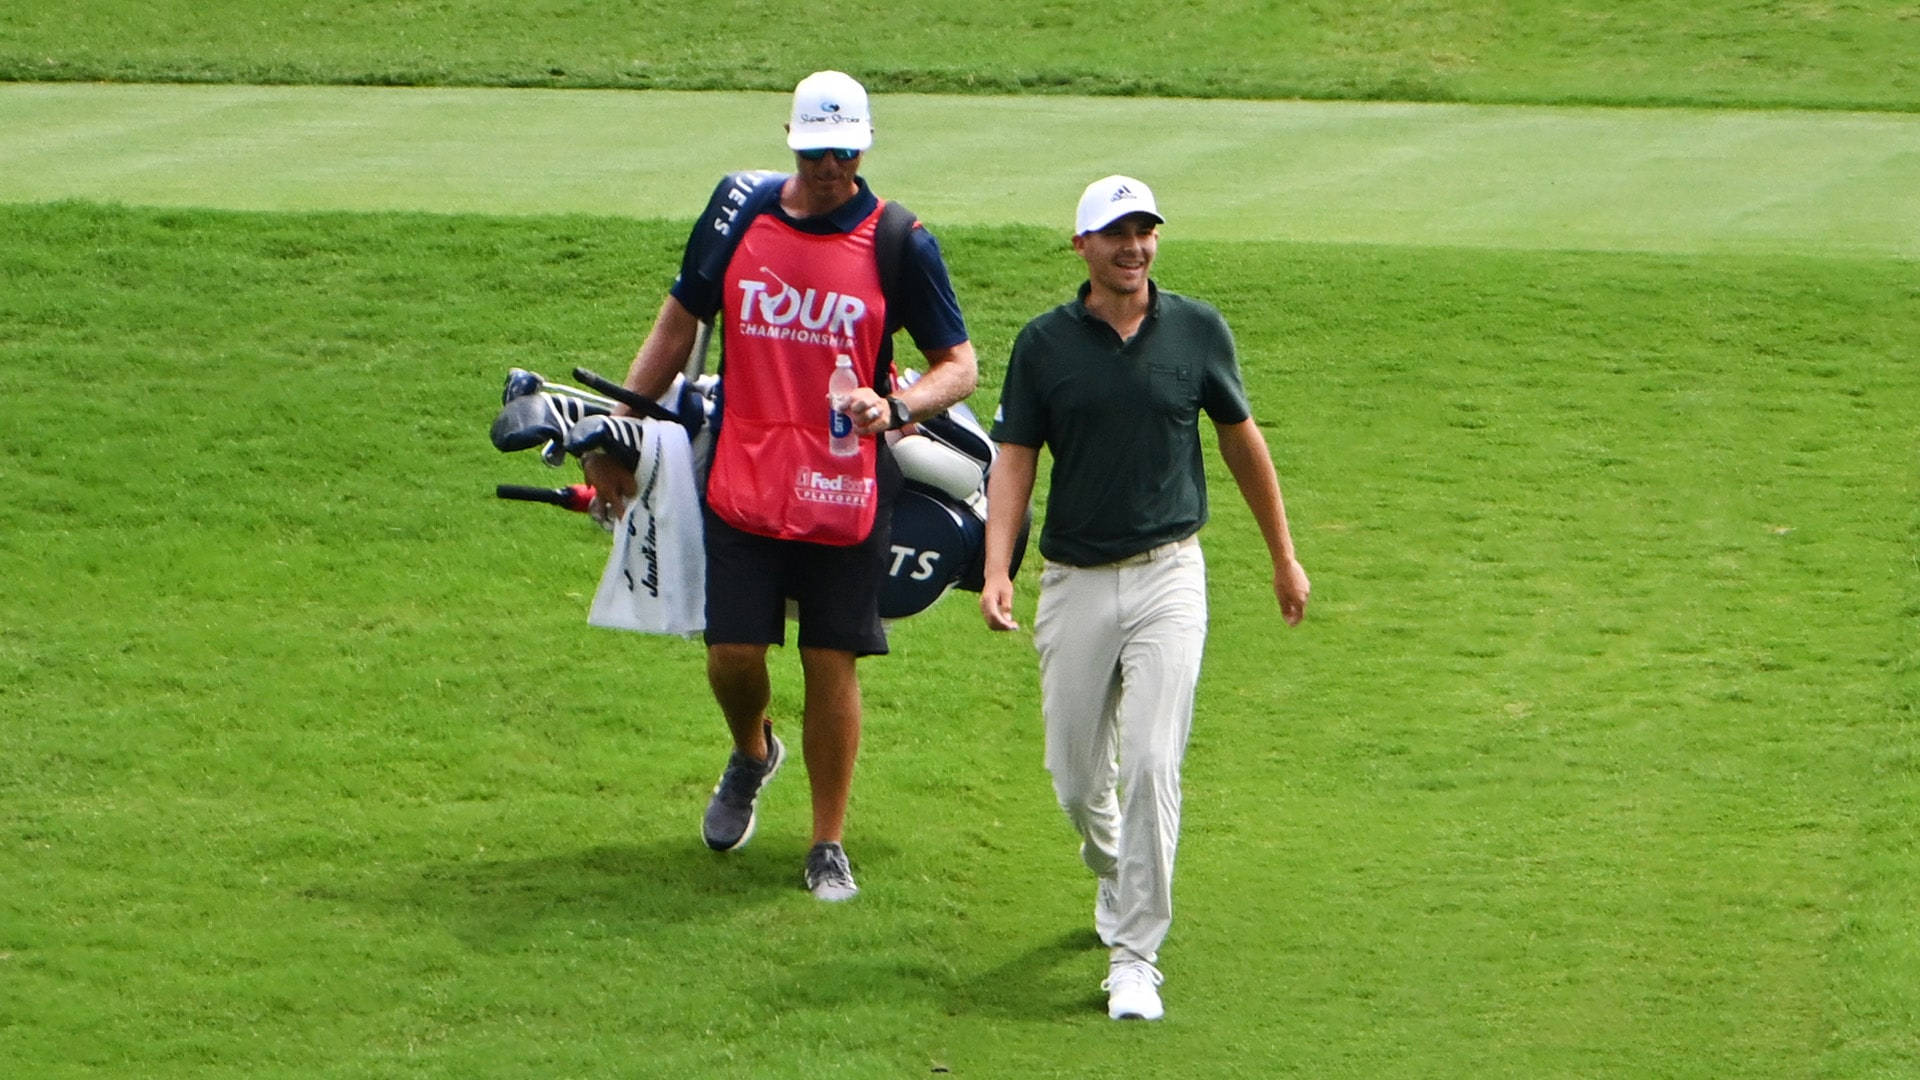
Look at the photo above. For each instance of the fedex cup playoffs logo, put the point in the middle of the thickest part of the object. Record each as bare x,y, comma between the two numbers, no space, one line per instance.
784,313
812,485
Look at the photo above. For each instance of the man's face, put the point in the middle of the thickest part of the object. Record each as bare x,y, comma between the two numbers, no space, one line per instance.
1120,255
828,175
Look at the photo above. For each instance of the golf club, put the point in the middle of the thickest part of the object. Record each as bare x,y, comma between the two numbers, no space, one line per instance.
575,497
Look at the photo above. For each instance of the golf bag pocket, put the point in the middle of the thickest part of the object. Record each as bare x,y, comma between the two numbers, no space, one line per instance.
935,537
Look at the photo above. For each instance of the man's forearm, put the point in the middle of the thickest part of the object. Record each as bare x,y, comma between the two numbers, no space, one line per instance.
664,352
952,374
1009,489
1244,450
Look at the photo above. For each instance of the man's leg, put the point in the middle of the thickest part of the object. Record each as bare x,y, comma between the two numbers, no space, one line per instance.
738,676
830,740
1079,647
1167,605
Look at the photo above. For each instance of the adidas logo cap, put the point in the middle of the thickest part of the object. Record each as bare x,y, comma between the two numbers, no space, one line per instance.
1111,198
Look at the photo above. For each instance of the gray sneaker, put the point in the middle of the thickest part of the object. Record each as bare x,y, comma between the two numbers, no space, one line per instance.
828,875
730,813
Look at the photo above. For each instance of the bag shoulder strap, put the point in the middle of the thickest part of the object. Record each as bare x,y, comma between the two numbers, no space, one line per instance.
890,239
890,253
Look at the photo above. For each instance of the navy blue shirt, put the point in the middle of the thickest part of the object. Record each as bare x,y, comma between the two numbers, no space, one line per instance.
927,309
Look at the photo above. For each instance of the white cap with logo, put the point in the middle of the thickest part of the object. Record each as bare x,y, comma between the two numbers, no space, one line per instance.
830,113
1111,198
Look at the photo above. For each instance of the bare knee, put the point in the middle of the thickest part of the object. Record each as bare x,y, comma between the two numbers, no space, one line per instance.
733,661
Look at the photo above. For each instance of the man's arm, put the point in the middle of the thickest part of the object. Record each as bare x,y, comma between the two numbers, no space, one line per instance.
1245,451
1008,490
662,355
951,375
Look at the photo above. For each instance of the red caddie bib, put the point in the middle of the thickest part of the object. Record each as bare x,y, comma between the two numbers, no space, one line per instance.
793,302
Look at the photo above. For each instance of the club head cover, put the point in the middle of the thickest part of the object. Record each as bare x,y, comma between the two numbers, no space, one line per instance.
572,410
520,383
938,465
693,403
958,429
526,422
618,436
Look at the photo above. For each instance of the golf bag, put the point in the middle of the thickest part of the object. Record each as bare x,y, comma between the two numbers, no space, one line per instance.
938,521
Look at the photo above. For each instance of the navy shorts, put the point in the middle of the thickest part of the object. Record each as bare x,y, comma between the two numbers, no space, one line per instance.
750,578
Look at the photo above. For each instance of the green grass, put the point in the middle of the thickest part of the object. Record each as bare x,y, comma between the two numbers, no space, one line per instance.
1666,180
1596,755
1654,52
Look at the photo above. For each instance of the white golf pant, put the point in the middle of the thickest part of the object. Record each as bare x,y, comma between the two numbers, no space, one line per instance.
1120,649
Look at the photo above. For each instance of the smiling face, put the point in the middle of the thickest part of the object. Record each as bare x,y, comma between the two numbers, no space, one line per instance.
1120,255
824,184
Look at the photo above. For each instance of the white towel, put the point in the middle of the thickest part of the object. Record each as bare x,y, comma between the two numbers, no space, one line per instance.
656,576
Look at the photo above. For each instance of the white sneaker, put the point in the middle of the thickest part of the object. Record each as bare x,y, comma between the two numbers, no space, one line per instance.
1131,991
1106,909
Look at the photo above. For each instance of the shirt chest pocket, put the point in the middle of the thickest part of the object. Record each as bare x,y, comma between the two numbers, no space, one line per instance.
1171,386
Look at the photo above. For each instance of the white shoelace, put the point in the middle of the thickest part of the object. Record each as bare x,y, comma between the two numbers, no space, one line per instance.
1130,972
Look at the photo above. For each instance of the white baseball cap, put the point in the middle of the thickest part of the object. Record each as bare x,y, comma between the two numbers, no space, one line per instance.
830,112
1111,198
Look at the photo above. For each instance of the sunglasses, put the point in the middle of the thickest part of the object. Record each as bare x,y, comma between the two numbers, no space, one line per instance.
839,154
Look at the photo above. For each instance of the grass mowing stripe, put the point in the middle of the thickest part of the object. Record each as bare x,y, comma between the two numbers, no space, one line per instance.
1475,176
1596,756
1651,52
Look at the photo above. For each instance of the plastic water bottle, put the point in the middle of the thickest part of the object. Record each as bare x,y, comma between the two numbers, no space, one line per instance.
840,385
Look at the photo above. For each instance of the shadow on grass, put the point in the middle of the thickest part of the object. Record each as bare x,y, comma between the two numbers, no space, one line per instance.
1056,979
638,891
1050,981
493,904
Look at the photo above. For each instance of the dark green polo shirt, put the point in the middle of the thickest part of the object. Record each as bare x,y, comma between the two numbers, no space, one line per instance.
1122,422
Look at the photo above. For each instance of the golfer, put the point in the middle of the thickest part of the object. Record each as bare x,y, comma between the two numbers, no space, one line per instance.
788,267
1112,383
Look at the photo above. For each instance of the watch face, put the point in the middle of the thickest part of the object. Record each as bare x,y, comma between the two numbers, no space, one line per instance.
902,416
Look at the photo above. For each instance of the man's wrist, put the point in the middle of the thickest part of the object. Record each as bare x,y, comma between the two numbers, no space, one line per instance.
898,414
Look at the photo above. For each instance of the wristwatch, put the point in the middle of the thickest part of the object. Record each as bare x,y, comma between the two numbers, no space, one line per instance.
898,415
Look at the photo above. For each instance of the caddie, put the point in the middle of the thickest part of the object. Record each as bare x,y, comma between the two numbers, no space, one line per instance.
793,271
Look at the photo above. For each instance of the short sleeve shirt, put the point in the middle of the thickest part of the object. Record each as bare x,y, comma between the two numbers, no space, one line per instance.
1122,422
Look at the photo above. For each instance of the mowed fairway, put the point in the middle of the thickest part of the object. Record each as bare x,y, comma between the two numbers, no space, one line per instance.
1595,757
1665,180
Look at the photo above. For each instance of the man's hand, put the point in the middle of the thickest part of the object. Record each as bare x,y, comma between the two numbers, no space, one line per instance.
612,485
1290,586
868,411
996,604
1009,487
661,356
